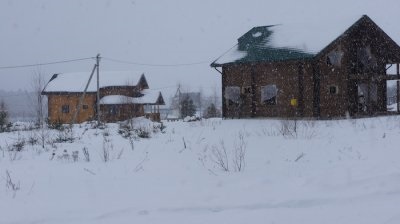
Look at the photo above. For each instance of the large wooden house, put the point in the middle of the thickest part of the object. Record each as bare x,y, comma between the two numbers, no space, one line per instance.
293,70
123,95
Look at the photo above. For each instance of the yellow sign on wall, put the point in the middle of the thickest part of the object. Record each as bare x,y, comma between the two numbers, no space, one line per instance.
293,102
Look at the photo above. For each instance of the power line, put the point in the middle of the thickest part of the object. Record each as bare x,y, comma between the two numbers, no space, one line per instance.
164,87
12,95
155,65
47,63
107,59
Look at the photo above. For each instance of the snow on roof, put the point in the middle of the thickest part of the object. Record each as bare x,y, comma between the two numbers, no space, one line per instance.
231,55
116,99
286,41
76,82
149,97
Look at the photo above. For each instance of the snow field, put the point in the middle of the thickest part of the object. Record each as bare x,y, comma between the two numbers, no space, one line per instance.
344,171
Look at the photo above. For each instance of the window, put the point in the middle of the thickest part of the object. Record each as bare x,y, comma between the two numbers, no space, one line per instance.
366,60
364,55
368,92
65,109
334,58
268,94
391,69
333,90
232,94
113,110
85,106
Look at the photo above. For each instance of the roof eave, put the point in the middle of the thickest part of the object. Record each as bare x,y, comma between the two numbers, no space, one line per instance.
264,61
215,65
64,92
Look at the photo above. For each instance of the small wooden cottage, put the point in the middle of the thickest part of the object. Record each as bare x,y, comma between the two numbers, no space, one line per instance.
291,70
123,95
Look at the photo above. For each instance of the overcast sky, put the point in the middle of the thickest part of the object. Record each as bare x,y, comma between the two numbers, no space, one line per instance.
153,32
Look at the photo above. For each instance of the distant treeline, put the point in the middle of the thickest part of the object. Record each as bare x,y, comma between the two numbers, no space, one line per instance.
19,104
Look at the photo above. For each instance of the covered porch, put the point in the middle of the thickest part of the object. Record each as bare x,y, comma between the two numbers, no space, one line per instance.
152,112
151,101
367,92
119,107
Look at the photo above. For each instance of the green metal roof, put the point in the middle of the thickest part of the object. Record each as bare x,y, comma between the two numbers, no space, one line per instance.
292,41
257,45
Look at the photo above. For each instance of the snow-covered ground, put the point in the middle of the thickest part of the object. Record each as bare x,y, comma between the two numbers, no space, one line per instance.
345,171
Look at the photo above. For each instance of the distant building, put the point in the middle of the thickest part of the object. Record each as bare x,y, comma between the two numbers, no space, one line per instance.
123,95
302,70
176,102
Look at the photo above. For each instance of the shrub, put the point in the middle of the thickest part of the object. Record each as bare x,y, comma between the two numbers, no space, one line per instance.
211,111
64,136
32,140
18,145
288,128
228,158
142,132
57,125
86,154
187,107
125,130
12,185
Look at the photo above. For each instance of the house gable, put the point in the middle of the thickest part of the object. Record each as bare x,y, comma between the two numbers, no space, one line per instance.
357,56
142,83
366,32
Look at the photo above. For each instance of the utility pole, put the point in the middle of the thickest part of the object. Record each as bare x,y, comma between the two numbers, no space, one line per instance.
98,89
78,108
178,91
398,86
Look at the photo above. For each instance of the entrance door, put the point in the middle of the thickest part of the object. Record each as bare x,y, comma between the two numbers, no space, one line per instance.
367,97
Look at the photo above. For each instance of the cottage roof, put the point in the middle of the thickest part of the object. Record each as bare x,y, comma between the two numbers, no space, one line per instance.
148,97
283,42
76,82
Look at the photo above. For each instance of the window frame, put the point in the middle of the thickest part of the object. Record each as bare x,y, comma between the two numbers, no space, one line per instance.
65,109
229,100
334,58
336,90
114,110
270,101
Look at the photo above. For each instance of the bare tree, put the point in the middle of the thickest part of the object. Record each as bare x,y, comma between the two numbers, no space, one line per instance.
212,104
43,135
240,152
220,156
215,98
107,147
12,185
200,109
86,154
38,100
